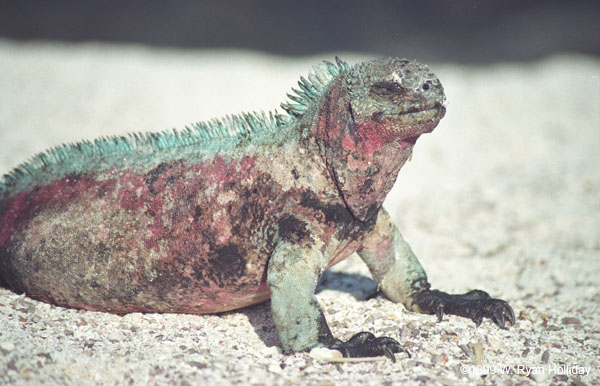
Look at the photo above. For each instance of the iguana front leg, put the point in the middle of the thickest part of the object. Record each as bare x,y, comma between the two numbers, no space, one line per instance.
402,279
292,276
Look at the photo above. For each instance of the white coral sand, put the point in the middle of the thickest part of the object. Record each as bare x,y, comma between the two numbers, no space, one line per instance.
503,196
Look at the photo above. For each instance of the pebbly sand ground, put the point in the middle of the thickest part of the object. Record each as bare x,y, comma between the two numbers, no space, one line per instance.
503,196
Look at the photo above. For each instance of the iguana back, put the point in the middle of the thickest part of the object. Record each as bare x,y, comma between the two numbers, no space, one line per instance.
178,221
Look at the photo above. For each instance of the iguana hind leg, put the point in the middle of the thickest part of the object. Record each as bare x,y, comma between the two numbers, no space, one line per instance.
292,276
402,279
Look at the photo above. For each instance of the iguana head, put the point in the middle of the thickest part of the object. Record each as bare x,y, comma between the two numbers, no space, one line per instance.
366,120
369,120
394,99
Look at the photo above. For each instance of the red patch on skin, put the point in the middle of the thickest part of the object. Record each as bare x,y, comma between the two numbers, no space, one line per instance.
15,206
59,193
132,189
375,136
382,247
173,184
348,143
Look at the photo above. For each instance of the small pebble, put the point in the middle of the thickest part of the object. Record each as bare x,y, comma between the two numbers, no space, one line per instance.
271,351
477,353
540,377
570,320
321,353
275,368
466,350
439,359
545,356
7,346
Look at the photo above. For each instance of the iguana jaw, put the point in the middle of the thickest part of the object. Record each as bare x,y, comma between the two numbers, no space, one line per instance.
410,125
401,127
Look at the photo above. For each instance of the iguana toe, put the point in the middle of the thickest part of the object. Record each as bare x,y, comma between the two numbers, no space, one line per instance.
365,344
475,305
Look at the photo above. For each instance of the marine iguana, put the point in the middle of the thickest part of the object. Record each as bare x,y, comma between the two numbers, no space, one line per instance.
232,212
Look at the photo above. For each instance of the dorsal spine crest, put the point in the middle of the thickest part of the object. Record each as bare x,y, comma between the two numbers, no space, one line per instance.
231,127
312,89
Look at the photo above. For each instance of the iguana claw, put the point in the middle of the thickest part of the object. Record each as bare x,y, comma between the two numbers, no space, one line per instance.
365,344
474,305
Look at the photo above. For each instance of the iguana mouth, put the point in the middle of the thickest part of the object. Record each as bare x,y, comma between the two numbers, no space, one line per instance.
413,124
417,112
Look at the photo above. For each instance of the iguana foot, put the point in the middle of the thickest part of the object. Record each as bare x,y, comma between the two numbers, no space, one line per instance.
365,344
474,305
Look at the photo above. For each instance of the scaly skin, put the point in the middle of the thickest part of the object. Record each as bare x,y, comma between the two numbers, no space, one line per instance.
229,217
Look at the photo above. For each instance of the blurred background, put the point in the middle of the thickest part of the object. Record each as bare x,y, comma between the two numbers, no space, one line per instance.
460,31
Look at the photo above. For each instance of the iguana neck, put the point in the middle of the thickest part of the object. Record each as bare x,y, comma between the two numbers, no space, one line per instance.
363,158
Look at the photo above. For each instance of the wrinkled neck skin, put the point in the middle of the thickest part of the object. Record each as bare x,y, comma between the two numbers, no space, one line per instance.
364,156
